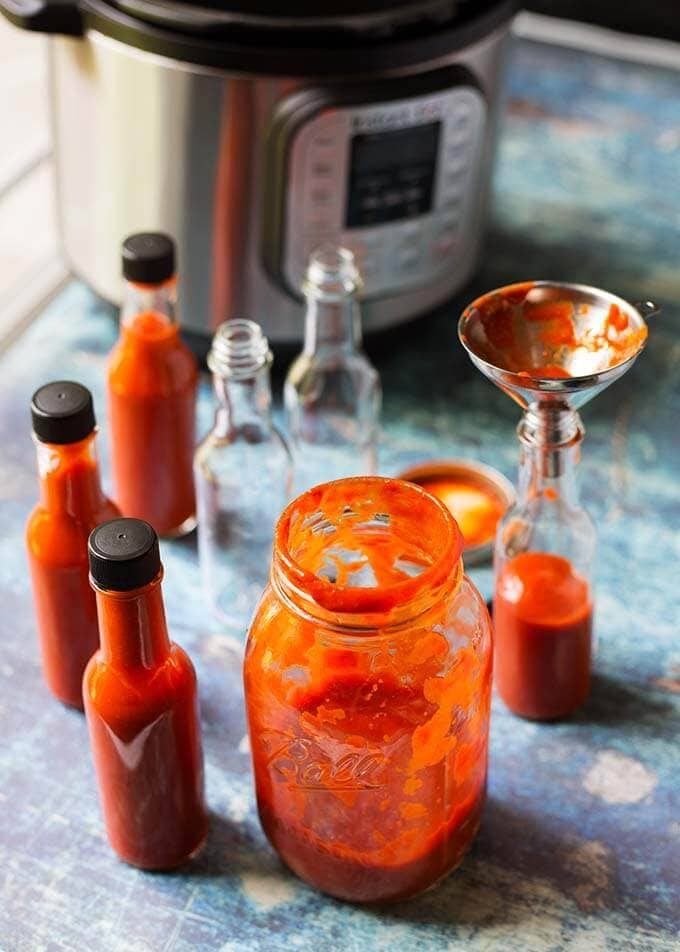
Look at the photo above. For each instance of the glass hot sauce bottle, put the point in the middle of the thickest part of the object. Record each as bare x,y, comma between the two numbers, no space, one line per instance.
141,705
71,504
332,393
243,473
543,602
152,383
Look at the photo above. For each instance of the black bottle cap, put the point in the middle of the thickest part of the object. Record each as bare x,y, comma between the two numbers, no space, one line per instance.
62,412
148,257
123,554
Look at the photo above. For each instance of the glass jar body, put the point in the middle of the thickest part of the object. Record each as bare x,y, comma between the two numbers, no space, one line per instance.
370,745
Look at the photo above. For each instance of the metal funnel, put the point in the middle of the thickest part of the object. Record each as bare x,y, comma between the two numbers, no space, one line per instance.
553,344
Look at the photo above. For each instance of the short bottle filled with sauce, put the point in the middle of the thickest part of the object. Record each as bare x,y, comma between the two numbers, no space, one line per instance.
367,678
543,601
71,504
141,705
152,383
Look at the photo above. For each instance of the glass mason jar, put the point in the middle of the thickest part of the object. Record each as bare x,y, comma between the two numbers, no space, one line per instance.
367,678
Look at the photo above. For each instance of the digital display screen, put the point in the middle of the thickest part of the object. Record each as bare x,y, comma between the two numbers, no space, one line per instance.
392,174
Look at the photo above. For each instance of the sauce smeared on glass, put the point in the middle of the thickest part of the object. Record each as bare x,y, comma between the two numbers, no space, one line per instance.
367,678
531,331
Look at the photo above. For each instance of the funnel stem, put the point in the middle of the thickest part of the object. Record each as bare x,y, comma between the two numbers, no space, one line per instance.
551,435
550,439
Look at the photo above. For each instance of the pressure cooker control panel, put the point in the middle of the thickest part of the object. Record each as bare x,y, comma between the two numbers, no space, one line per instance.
396,181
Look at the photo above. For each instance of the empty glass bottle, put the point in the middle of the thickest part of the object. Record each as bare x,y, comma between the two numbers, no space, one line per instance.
243,473
332,392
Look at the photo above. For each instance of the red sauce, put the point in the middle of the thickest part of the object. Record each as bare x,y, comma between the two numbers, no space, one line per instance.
369,730
546,371
72,504
543,619
513,324
475,509
142,713
378,856
152,381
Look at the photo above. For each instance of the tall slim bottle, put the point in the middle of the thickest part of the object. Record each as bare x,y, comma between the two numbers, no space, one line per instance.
332,393
141,705
71,504
152,382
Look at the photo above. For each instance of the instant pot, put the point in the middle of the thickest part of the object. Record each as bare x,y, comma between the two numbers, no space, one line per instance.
252,134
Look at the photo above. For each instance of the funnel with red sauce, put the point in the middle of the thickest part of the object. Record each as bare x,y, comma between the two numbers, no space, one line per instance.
551,347
542,341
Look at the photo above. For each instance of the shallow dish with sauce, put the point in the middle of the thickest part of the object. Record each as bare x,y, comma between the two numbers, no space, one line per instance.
476,494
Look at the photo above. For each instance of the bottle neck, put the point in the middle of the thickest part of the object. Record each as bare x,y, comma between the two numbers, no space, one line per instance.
69,478
332,326
156,302
243,401
132,628
550,442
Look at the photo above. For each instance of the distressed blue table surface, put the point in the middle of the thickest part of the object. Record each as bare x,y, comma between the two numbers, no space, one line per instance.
579,848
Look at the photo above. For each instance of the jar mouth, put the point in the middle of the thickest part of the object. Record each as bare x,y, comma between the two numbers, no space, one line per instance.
365,545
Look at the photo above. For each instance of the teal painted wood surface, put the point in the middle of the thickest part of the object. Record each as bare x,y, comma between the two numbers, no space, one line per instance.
580,843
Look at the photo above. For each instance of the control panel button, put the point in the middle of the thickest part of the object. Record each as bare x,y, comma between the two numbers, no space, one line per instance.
321,169
409,257
444,246
321,196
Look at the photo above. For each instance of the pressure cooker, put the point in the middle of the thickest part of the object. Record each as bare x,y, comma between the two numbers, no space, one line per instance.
253,131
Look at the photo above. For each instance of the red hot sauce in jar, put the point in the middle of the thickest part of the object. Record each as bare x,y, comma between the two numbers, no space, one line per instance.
141,705
543,623
71,504
367,677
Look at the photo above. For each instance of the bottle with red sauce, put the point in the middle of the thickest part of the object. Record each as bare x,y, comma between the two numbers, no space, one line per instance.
141,705
152,382
543,602
367,677
71,504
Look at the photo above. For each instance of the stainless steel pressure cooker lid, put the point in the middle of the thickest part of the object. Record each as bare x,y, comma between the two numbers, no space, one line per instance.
310,38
